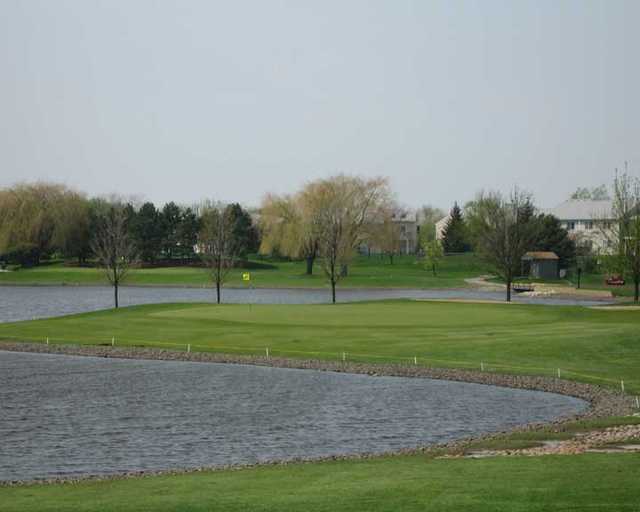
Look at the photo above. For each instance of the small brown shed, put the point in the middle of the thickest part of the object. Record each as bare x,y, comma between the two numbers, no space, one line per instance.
540,264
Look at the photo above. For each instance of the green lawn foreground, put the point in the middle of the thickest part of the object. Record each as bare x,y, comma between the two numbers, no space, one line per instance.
372,271
390,484
596,344
591,345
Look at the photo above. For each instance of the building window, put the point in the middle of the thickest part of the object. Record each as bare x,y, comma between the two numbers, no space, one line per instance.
588,225
571,226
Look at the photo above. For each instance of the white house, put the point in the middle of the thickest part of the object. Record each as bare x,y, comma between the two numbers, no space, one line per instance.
586,221
441,225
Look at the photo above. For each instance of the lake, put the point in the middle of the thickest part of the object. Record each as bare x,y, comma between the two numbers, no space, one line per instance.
66,416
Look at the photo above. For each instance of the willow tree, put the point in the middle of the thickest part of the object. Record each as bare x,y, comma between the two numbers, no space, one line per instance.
289,225
347,206
39,218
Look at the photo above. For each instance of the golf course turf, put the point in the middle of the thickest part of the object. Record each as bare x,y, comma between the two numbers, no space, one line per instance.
405,272
592,345
408,483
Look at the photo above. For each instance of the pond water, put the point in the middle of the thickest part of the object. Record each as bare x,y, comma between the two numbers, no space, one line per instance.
28,302
70,416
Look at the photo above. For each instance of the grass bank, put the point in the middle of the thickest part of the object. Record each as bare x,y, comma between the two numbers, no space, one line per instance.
409,483
405,272
595,346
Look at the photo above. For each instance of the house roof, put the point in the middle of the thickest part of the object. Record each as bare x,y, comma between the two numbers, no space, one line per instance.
540,255
582,209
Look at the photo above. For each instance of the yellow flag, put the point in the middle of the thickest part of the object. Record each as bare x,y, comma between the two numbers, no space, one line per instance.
246,276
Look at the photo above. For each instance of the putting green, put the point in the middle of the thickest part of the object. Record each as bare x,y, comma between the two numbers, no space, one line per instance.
598,346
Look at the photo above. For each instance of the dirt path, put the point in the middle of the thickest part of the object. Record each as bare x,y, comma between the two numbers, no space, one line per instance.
611,440
541,289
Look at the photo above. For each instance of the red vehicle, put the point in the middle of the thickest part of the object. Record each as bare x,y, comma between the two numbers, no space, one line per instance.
615,281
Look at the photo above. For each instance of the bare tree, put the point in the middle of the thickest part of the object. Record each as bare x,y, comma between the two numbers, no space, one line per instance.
113,247
347,205
623,233
218,245
385,233
503,232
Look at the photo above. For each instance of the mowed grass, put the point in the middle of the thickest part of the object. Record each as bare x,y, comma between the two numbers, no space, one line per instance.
594,344
409,483
406,272
599,346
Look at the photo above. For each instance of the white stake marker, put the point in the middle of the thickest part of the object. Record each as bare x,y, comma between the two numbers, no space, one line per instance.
481,366
415,360
344,356
558,372
622,385
189,347
267,352
113,341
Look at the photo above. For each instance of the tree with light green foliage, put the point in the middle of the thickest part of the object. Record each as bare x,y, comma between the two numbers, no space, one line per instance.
428,216
433,254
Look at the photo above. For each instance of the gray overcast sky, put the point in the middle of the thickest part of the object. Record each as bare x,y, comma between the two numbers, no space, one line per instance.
185,99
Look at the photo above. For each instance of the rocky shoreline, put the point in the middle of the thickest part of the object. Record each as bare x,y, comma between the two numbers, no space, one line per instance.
603,402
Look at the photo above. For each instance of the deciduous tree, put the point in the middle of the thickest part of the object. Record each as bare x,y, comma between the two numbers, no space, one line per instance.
623,234
113,246
385,233
503,232
289,225
433,254
347,204
218,245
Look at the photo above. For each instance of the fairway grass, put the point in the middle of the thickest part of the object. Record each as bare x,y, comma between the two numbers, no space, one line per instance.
390,484
595,346
373,272
601,346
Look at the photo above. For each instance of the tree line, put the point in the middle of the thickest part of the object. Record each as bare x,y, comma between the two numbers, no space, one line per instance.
326,222
42,220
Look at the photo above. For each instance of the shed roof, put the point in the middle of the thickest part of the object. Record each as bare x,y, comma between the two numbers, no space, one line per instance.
540,255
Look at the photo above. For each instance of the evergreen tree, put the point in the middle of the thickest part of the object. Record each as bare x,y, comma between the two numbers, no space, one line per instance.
147,232
187,233
170,220
455,234
551,236
243,231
